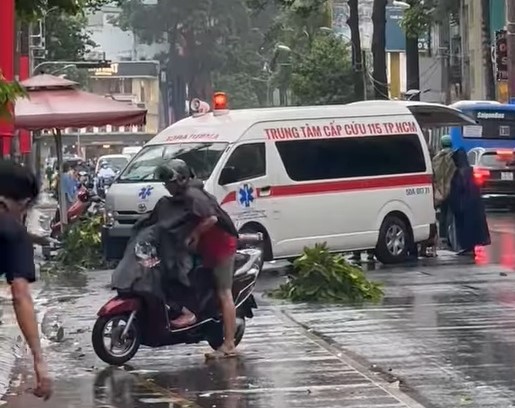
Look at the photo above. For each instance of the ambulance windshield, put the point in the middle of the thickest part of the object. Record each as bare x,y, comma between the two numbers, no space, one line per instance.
201,157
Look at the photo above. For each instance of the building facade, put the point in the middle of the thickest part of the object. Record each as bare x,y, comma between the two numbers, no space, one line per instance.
133,82
473,67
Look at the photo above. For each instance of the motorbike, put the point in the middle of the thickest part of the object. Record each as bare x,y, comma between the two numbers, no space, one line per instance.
132,319
86,203
104,183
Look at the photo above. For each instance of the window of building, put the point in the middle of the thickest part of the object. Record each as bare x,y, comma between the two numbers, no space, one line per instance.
326,159
249,160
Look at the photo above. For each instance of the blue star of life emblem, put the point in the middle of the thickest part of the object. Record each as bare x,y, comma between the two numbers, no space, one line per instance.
246,195
145,192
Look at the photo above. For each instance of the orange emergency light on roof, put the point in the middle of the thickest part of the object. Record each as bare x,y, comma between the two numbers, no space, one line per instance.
220,101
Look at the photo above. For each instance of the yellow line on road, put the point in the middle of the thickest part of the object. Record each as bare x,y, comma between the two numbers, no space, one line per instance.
178,400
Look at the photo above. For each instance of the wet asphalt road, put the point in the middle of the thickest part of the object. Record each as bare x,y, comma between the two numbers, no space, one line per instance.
444,335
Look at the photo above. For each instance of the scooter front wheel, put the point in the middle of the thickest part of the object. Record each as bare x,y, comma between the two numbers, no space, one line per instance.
110,343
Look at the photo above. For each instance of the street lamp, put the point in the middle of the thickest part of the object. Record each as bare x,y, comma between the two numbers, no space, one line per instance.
411,93
401,4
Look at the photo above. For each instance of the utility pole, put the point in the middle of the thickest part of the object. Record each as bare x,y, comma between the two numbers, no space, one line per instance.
510,26
444,53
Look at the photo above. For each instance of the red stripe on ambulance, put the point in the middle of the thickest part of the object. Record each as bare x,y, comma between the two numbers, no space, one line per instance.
343,185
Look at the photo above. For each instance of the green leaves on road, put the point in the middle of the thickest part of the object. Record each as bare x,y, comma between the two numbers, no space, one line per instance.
321,276
82,245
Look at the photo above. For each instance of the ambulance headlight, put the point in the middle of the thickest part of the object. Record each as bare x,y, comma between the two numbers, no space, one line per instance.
108,217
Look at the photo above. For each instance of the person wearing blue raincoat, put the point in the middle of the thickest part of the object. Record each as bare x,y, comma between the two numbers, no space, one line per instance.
467,206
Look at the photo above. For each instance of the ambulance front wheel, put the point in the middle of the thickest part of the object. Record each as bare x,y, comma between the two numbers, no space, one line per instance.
394,241
265,246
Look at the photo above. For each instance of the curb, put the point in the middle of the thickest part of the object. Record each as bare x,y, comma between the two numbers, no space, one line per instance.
391,385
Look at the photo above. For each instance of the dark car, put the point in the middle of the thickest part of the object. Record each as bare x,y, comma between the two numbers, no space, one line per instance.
494,173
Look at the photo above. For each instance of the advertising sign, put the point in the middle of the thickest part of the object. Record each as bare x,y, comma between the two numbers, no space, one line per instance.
501,55
395,35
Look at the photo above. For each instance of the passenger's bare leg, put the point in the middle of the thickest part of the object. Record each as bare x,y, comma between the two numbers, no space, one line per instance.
229,320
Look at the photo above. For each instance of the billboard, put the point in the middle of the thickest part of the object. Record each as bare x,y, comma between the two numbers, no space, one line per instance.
501,55
395,35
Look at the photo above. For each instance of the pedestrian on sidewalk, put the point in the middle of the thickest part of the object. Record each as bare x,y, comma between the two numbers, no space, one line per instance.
19,189
443,171
467,206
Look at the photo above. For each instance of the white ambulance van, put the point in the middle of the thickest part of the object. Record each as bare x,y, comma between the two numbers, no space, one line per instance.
356,176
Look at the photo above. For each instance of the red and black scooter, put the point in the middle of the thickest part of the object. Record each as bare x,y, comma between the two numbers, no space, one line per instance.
129,320
81,206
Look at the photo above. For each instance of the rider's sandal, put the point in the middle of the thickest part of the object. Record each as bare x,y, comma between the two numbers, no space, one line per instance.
220,354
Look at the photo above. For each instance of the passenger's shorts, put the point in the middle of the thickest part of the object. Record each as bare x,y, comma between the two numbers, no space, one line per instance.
223,273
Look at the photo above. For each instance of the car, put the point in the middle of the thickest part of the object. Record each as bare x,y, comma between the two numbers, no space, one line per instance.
116,161
355,177
494,174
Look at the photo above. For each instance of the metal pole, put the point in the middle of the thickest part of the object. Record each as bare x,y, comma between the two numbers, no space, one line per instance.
510,26
63,208
7,46
444,51
364,73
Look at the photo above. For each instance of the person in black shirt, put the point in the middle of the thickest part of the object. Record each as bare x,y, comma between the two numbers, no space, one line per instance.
18,190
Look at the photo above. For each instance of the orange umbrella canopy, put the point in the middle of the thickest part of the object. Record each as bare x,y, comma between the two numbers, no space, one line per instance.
55,102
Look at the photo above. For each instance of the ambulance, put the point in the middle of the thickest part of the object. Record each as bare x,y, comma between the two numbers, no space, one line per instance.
355,177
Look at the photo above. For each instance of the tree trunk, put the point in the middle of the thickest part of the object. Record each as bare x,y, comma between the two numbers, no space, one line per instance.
412,66
357,55
412,62
487,51
378,50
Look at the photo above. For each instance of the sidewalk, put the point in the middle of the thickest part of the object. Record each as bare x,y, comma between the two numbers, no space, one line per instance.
446,333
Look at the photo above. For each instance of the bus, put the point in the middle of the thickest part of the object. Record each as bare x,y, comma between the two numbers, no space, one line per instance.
495,126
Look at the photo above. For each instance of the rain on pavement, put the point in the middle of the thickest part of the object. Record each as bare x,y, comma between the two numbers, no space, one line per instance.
444,336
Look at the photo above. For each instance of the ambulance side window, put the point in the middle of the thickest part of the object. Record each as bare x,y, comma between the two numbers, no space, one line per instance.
366,156
249,161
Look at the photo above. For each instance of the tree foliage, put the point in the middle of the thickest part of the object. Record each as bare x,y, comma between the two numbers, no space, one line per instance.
323,76
321,276
29,10
233,45
200,34
9,92
418,19
66,37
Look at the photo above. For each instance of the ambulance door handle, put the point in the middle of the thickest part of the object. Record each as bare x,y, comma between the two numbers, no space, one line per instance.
265,191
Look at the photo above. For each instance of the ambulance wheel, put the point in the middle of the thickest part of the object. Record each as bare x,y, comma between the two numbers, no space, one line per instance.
265,246
394,241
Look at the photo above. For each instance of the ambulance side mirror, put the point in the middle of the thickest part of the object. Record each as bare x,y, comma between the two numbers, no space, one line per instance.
228,175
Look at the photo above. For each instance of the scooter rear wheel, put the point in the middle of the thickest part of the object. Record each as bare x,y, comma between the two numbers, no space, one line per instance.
117,352
216,338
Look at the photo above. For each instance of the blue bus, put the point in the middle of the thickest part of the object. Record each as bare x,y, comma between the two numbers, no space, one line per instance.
495,125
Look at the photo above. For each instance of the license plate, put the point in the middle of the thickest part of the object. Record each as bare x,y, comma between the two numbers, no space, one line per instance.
506,176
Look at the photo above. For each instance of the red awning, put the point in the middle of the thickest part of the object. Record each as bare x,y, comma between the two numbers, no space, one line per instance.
55,102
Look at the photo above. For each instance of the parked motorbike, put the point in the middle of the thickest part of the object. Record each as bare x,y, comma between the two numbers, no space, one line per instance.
86,203
104,183
132,319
